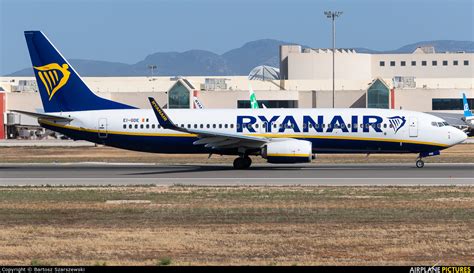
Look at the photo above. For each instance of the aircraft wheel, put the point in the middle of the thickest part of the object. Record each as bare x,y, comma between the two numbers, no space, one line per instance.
239,163
420,163
248,162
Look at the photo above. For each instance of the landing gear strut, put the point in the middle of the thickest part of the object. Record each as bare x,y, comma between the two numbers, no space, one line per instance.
241,163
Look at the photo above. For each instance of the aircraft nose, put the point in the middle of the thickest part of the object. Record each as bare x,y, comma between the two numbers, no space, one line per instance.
458,136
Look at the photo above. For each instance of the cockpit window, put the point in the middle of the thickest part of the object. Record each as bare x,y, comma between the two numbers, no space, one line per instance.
445,123
434,124
440,124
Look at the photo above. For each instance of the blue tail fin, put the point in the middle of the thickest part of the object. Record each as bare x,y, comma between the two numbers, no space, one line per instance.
467,112
61,88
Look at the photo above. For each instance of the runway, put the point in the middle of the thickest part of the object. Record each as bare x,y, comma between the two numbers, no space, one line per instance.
311,174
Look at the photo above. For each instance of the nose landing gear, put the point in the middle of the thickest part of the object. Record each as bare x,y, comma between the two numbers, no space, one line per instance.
419,161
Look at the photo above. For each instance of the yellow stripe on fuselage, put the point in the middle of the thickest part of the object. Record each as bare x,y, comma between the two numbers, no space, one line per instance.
258,135
113,132
350,138
288,155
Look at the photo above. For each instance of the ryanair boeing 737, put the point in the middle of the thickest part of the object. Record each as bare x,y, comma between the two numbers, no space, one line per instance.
278,135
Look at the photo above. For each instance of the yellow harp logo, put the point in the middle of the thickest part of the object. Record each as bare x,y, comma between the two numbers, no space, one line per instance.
50,78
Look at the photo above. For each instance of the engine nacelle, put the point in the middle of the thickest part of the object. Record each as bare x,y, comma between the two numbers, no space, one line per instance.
288,151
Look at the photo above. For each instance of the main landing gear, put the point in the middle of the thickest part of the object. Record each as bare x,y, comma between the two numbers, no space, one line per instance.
242,162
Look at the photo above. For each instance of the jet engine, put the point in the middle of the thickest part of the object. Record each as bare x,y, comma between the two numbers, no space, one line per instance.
288,151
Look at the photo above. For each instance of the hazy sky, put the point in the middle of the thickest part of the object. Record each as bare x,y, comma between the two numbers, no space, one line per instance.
128,30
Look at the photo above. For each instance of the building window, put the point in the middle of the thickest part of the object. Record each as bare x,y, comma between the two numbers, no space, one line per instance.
178,96
378,95
392,63
450,104
455,62
434,63
413,63
445,63
382,63
466,62
423,63
403,63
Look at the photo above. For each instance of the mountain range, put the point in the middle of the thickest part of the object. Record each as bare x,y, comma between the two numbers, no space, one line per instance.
237,61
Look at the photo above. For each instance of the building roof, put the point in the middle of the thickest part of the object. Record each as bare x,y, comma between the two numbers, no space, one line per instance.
264,72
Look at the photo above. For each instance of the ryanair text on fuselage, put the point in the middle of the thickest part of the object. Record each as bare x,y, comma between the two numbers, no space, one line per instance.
317,124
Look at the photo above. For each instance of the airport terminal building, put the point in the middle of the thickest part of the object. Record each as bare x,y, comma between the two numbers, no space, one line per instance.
424,80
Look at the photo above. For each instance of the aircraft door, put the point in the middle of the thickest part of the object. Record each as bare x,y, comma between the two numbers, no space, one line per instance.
413,128
102,128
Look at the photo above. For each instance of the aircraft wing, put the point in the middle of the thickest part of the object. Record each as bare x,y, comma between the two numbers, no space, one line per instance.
43,116
215,140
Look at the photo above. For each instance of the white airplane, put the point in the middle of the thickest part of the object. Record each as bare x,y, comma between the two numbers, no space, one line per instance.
468,117
278,135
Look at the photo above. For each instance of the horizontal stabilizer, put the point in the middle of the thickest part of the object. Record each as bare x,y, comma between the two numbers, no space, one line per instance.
43,116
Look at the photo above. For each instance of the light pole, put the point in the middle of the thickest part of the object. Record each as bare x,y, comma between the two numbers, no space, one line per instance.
152,67
333,15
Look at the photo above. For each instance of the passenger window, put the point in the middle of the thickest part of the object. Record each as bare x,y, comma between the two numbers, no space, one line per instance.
125,126
232,126
220,126
225,125
349,126
148,126
213,126
136,126
159,126
189,126
195,126
201,126
141,126
385,125
208,126
361,125
130,126
275,125
153,126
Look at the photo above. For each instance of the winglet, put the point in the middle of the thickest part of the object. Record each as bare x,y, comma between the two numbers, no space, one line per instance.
467,112
163,119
